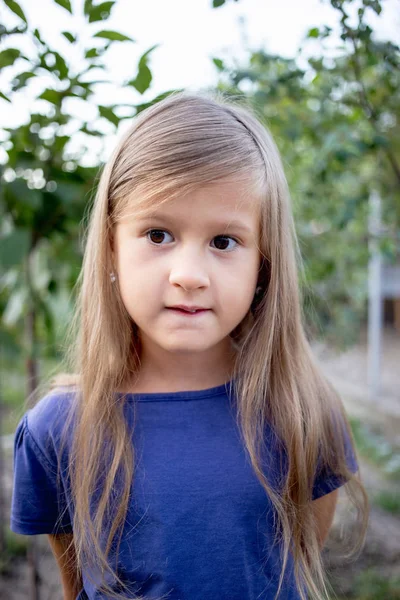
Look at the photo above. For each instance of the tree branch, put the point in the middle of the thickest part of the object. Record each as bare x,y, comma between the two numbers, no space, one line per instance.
364,100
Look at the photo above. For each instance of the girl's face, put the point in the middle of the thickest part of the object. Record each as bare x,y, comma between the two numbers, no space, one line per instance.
198,250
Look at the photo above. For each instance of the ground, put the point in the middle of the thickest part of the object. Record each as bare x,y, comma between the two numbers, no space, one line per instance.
348,371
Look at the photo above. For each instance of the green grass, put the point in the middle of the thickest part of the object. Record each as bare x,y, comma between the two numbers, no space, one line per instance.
16,546
389,501
373,446
371,585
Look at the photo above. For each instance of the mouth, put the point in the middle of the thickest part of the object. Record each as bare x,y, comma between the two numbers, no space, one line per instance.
190,312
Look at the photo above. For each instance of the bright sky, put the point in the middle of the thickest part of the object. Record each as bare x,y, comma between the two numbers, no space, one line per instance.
189,34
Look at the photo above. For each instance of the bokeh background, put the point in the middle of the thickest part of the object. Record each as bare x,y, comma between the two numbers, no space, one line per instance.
324,76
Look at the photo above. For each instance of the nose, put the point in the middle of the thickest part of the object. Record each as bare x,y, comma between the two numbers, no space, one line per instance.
188,270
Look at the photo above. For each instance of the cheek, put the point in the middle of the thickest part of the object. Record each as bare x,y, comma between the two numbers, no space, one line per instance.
245,275
138,282
130,262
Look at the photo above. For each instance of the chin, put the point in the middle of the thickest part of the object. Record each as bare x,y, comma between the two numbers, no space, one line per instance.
182,347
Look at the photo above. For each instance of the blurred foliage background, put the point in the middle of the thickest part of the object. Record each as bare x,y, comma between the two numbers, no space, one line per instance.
334,116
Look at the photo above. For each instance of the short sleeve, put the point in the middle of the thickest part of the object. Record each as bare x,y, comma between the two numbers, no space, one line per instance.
38,504
326,481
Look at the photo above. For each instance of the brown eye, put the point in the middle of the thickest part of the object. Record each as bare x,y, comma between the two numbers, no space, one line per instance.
156,236
222,242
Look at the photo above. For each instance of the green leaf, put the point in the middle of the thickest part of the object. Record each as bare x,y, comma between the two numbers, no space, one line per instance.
219,64
313,33
107,113
4,97
115,36
61,65
218,3
143,79
14,247
38,37
59,144
101,12
21,79
92,53
15,306
51,96
16,9
71,38
87,7
48,320
65,4
144,57
94,66
374,4
8,57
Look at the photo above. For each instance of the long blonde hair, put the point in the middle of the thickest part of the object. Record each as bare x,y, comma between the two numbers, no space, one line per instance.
183,142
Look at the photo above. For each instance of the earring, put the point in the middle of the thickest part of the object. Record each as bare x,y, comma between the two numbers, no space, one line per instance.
112,277
258,290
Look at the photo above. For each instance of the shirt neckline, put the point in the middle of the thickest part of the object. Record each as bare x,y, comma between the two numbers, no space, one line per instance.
219,390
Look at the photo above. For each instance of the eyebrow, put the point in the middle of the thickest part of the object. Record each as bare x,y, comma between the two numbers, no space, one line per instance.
237,225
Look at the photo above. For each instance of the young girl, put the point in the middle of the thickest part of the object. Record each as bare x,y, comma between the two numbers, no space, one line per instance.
198,451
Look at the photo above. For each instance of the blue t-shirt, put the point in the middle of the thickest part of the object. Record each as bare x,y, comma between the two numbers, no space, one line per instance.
199,523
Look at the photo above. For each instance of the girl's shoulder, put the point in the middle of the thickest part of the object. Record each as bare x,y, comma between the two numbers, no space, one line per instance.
37,506
44,423
55,405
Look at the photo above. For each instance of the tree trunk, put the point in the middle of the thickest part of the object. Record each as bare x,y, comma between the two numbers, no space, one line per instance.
2,477
32,383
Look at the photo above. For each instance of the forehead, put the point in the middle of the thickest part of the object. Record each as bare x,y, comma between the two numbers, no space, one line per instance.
226,203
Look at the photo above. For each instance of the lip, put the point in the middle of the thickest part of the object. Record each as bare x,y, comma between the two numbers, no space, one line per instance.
188,315
188,308
185,312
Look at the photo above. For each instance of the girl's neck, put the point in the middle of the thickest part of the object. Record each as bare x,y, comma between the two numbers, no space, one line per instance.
187,378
